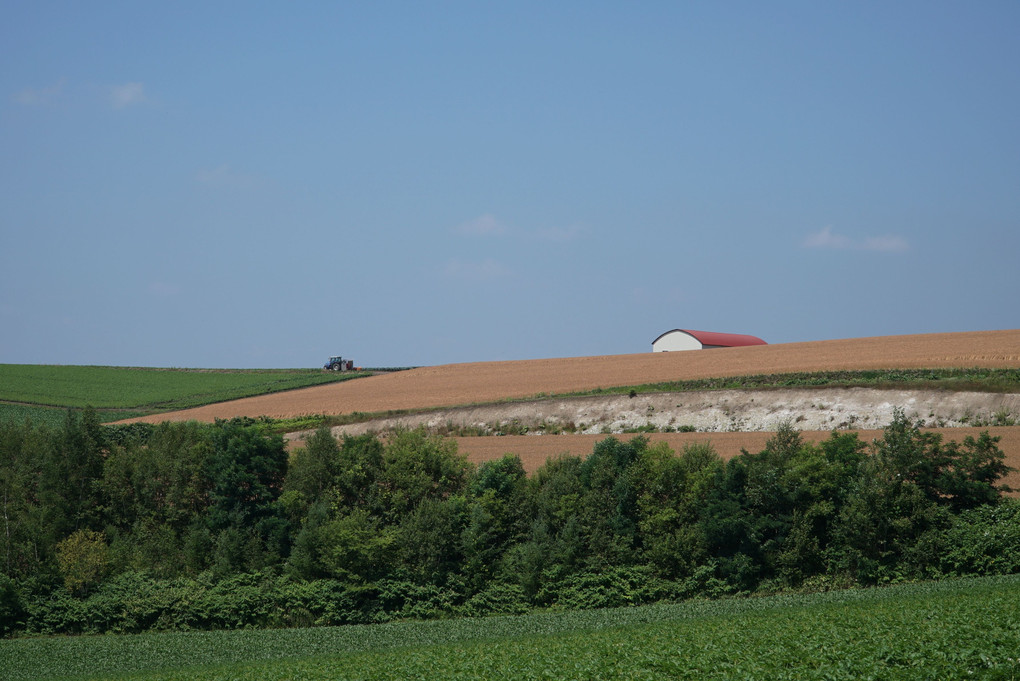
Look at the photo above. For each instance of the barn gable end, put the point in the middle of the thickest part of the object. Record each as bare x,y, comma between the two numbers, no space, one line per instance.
688,339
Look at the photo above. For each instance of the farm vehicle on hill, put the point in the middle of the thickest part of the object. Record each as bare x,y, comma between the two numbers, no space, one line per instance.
339,364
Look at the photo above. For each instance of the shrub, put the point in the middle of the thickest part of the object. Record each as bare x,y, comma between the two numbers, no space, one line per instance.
613,587
498,599
83,559
11,608
983,541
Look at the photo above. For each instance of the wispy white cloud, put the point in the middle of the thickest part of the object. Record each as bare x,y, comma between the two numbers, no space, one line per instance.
128,94
827,239
484,225
41,95
484,270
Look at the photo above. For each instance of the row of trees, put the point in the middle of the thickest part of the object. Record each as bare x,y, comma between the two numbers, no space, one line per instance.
180,520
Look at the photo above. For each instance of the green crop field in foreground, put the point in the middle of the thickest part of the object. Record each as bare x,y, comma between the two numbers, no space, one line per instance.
30,389
955,629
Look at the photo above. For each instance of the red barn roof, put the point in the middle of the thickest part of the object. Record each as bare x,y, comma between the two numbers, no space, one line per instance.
726,340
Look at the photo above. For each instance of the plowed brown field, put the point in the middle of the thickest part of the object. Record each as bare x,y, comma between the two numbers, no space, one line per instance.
458,384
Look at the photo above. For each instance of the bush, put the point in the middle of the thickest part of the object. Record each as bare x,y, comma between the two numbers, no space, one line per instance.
498,599
983,541
83,559
405,600
612,588
11,608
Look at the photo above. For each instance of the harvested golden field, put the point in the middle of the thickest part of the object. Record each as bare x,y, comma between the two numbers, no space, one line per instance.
483,382
479,382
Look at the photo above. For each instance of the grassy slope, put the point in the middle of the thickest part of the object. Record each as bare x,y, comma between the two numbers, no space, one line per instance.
43,392
953,629
980,380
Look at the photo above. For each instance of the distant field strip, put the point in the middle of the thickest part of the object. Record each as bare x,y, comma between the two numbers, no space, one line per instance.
482,382
953,629
131,388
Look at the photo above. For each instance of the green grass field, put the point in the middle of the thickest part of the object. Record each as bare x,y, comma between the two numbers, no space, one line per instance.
45,392
954,629
978,380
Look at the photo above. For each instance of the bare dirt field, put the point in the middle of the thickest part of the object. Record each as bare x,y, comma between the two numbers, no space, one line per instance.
488,382
480,382
731,420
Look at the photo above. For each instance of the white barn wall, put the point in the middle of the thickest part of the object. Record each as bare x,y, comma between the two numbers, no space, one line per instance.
676,340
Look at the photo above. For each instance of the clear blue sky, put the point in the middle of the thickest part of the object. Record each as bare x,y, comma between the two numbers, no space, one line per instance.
235,184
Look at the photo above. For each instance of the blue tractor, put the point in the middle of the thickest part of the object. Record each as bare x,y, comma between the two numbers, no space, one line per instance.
339,364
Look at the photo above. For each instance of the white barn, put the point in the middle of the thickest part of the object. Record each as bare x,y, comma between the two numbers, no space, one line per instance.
686,339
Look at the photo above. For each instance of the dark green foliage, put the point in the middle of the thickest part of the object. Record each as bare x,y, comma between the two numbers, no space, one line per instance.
11,608
416,466
946,473
357,547
498,598
983,541
429,547
69,487
358,471
882,520
976,468
671,492
364,511
134,602
22,452
964,628
154,494
496,517
245,472
608,502
129,433
613,587
315,467
214,526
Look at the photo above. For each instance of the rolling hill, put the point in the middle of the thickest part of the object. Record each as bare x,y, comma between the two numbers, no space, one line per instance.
483,382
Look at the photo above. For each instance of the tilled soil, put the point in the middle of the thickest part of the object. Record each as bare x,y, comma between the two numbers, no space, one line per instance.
483,382
731,420
488,382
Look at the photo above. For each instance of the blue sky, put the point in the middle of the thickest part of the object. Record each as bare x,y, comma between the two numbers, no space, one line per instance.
214,184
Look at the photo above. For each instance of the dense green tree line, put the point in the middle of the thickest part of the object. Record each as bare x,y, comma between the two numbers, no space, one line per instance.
185,525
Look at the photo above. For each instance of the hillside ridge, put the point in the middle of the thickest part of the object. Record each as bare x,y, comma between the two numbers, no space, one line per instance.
482,382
